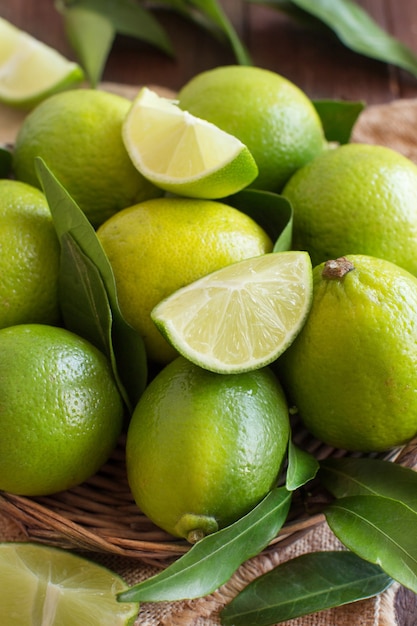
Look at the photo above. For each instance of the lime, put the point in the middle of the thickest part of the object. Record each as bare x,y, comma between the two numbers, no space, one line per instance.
269,114
241,317
356,199
78,133
351,370
158,246
183,154
29,256
203,449
60,413
30,71
50,586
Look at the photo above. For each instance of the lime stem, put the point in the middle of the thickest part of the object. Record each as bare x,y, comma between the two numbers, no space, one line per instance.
335,269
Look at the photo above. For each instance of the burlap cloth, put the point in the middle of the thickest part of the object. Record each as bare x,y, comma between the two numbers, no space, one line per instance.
388,124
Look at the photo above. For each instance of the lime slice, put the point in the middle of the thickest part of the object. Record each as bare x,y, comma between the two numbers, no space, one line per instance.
30,70
47,586
184,154
241,317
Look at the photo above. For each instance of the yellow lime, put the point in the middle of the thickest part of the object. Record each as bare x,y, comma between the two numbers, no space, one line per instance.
351,370
241,317
60,412
160,245
78,133
356,199
30,70
183,154
44,585
203,449
269,114
29,256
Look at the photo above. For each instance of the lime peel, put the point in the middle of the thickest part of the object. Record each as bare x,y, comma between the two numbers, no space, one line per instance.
241,317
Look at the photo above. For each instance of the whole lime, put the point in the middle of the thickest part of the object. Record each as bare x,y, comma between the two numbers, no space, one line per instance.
351,371
202,449
160,245
60,412
78,133
273,117
29,256
356,199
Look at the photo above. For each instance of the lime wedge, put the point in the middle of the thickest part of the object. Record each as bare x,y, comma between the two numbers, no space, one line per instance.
184,154
48,586
241,317
30,70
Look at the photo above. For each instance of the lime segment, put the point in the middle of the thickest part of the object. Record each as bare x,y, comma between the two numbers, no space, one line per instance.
44,585
182,153
29,69
241,317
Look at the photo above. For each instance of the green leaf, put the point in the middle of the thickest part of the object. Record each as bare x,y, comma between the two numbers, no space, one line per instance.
359,32
306,584
213,560
302,467
126,349
5,162
338,118
380,530
366,476
270,210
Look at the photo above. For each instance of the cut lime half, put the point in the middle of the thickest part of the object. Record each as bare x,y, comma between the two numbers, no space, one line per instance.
47,586
30,70
184,154
241,317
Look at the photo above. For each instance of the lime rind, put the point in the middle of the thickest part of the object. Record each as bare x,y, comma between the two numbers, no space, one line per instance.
241,317
30,70
183,154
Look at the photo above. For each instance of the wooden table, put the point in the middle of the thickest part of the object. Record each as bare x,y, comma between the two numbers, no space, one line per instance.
318,63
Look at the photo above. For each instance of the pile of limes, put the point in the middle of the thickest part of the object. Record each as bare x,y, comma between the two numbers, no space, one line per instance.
235,327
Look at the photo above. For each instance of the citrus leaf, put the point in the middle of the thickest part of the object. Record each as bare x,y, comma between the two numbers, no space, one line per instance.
306,584
359,32
270,210
91,35
338,118
5,162
127,344
379,530
302,467
213,560
365,476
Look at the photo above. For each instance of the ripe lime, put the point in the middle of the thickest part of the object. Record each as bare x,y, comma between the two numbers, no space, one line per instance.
78,133
30,71
181,153
269,114
60,411
202,448
44,585
241,317
158,246
29,256
351,370
356,199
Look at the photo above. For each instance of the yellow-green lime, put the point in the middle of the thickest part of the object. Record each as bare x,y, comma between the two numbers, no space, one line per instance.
268,113
203,449
351,370
184,154
78,133
30,70
158,246
60,412
29,256
50,586
241,317
356,199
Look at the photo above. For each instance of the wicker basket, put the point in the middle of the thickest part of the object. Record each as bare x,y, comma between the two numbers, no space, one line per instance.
101,516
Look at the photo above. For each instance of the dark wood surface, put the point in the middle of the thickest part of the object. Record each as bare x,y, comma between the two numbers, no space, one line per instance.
317,62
